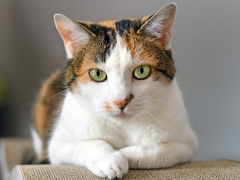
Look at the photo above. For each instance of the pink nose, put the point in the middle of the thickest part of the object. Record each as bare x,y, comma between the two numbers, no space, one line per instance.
122,104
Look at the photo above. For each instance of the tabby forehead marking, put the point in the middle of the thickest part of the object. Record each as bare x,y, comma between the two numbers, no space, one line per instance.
142,48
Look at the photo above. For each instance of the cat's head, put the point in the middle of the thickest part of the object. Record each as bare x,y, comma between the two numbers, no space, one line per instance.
117,68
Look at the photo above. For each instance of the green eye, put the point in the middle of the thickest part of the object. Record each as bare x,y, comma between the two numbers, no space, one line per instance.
142,72
97,75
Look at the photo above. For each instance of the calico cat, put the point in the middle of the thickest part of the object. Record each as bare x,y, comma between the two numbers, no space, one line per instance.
122,107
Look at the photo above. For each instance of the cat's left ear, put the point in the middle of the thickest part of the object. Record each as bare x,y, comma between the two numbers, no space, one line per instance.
74,34
160,24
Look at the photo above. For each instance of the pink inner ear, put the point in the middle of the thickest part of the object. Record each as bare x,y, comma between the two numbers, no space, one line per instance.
166,34
70,47
66,36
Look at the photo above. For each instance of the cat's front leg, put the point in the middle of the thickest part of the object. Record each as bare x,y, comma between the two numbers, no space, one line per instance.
97,155
157,155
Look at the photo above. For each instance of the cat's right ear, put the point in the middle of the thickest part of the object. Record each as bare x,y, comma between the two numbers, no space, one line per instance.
74,35
159,25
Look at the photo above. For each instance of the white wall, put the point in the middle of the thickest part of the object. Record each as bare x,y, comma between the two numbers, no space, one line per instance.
206,48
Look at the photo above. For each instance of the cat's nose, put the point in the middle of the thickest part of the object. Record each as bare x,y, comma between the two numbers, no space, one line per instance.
122,104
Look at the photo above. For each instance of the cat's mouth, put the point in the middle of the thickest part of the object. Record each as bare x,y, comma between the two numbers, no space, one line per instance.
121,115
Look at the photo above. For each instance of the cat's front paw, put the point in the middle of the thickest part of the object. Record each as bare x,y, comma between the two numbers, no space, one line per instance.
112,166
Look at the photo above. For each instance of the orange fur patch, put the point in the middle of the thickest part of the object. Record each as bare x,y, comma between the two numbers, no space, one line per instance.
108,107
86,65
165,144
143,50
45,106
108,24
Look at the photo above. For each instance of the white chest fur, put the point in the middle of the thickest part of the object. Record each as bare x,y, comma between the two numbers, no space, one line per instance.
167,122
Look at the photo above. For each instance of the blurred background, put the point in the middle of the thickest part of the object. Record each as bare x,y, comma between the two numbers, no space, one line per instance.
206,49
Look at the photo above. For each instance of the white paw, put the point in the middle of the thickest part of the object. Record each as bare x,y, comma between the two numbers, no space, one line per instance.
112,166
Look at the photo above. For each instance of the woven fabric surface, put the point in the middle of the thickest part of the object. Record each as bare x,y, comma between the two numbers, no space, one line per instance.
221,169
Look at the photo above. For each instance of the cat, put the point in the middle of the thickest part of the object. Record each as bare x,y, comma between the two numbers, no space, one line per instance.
122,107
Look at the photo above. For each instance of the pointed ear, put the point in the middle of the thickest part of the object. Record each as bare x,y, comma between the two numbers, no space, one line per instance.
160,24
74,35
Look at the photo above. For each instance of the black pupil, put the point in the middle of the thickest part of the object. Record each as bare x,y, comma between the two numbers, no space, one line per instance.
141,70
98,73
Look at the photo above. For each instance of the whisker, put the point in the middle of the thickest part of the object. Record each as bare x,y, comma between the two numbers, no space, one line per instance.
56,94
158,101
58,87
175,132
170,116
170,135
162,111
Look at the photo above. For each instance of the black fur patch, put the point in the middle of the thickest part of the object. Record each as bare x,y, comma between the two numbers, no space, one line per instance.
106,39
124,26
69,75
100,45
165,63
165,74
168,53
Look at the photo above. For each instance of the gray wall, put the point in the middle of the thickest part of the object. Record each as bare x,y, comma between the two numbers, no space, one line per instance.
206,48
